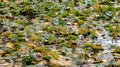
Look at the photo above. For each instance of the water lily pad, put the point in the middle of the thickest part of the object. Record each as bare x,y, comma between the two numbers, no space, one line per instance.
83,31
96,6
13,37
47,58
9,45
54,55
117,50
28,60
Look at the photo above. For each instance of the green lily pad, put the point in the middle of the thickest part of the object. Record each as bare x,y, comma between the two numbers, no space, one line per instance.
94,1
28,60
17,46
13,37
47,58
73,37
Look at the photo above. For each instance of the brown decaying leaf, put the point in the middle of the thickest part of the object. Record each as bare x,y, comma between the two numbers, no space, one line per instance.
35,20
9,45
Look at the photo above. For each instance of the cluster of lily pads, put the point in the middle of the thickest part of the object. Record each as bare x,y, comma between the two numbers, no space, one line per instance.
59,33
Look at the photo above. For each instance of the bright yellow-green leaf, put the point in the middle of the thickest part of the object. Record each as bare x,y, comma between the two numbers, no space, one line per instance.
83,30
35,37
96,6
54,55
80,22
1,51
38,48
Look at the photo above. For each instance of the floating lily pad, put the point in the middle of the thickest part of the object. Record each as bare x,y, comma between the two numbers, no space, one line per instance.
28,60
54,55
117,50
59,33
83,31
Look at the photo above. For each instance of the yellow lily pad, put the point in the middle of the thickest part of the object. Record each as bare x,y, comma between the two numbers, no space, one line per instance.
1,51
80,22
96,6
54,55
83,30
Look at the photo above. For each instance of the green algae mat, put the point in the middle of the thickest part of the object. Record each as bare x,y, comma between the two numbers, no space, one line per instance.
59,33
